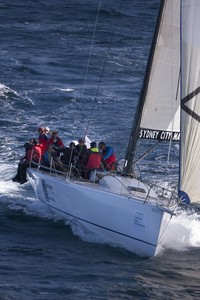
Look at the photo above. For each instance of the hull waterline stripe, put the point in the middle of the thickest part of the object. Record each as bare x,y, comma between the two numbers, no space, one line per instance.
105,228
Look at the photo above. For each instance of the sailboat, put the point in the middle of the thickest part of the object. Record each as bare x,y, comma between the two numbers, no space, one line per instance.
120,208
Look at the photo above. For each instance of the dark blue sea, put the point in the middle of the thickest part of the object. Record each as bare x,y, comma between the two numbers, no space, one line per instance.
77,66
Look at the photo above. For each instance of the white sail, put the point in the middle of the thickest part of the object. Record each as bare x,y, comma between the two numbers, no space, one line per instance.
161,111
190,103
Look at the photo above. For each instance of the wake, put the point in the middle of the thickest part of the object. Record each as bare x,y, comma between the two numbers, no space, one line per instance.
183,231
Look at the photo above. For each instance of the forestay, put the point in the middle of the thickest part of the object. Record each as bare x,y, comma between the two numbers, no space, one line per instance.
161,112
190,104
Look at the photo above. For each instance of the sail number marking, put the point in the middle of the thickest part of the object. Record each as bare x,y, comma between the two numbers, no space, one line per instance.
139,219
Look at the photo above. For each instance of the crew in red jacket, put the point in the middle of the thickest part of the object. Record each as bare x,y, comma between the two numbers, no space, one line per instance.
55,140
43,138
92,160
32,156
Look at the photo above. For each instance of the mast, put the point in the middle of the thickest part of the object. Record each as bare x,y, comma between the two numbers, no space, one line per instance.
136,124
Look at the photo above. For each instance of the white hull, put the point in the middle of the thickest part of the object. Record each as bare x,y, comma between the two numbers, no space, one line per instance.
121,220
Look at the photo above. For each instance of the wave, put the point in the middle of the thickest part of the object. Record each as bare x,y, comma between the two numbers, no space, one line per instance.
27,69
7,92
10,95
21,197
68,90
183,232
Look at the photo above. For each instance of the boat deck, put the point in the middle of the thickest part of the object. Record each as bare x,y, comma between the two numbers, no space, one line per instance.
115,182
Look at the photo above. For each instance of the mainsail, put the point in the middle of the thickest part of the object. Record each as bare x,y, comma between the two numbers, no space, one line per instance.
161,112
158,113
190,103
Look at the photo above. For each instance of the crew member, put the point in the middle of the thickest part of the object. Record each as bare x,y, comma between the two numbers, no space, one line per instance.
93,160
108,154
32,156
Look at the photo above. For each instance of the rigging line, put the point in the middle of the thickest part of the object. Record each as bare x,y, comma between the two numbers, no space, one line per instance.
173,86
169,151
139,21
88,65
101,76
146,152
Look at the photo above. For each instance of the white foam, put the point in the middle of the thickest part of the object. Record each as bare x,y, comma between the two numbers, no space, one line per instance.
20,197
67,90
182,233
4,90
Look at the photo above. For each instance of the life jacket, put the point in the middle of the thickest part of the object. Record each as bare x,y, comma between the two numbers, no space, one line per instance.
94,159
34,154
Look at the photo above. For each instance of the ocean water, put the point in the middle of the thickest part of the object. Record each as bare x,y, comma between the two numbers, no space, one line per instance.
77,66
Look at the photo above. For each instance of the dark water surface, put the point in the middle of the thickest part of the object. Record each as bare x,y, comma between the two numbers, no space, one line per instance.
45,49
